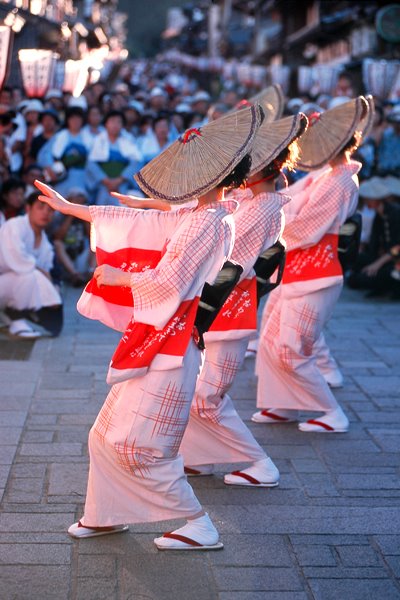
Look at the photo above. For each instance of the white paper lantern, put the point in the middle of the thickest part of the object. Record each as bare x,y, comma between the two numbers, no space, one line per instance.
379,76
37,70
5,47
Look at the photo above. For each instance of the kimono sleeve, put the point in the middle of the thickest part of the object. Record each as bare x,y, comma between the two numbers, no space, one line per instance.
316,216
196,251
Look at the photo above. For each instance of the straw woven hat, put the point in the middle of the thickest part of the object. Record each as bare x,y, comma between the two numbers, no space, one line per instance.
367,122
274,137
329,132
201,157
272,101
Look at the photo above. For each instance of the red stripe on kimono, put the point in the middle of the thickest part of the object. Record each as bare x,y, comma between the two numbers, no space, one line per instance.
258,225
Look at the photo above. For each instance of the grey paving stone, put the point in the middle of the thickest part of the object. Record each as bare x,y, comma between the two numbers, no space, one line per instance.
256,578
53,449
164,575
25,490
37,436
305,465
35,554
30,522
358,556
317,484
314,555
96,588
388,439
45,419
27,582
371,481
252,551
67,479
310,519
13,402
394,565
353,589
97,566
388,386
263,596
9,435
389,544
12,417
7,454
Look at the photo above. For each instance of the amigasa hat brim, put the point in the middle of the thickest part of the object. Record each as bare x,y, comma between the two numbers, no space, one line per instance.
201,157
272,138
367,122
329,133
272,101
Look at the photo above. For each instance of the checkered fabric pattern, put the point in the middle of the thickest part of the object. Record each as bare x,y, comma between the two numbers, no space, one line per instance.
178,271
322,207
258,225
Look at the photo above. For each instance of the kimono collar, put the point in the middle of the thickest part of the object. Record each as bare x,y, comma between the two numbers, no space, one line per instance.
241,194
353,167
229,205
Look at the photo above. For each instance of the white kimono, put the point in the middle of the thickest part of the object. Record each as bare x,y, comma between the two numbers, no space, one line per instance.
136,474
296,312
22,285
216,433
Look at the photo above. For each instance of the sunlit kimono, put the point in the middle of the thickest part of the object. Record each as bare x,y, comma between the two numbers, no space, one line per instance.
296,312
216,433
136,474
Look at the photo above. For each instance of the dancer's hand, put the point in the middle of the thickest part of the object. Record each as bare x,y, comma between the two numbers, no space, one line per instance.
58,202
107,275
52,198
136,202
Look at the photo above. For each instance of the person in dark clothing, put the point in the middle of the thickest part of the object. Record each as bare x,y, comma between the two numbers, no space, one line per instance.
375,265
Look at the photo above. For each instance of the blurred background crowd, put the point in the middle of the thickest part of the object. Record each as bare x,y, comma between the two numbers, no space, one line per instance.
86,128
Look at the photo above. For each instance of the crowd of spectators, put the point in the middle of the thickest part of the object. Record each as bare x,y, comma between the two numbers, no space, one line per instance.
90,146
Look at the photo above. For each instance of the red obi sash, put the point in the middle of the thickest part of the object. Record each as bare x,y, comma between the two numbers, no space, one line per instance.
320,260
239,312
141,343
134,260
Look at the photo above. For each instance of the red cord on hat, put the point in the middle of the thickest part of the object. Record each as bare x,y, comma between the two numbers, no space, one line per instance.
313,118
188,133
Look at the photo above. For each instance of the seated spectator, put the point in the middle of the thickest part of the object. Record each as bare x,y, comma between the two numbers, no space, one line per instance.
156,139
367,152
13,132
4,160
113,160
376,263
32,112
71,243
389,147
28,177
69,149
50,123
12,199
93,126
26,258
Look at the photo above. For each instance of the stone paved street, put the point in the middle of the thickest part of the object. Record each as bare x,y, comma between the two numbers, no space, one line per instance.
330,531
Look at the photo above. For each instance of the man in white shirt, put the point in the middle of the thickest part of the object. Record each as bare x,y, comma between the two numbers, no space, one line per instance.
26,258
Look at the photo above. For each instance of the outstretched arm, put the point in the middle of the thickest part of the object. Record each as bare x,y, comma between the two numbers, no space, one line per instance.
56,201
135,202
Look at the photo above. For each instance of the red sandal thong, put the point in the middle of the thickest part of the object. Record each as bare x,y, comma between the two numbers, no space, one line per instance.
175,541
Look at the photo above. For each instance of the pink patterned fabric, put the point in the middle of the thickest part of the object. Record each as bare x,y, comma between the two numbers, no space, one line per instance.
136,474
216,433
296,312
